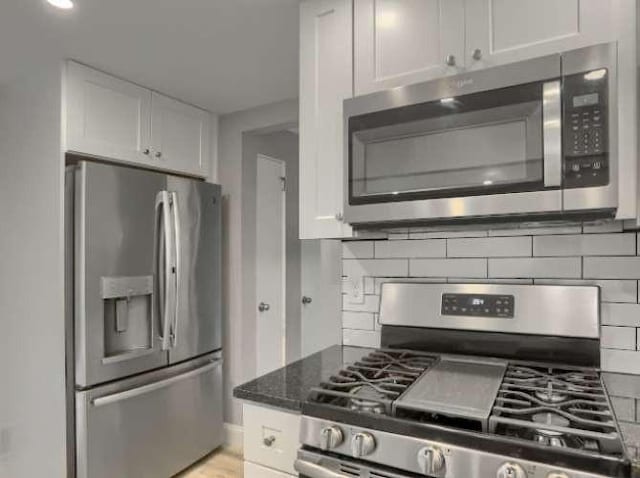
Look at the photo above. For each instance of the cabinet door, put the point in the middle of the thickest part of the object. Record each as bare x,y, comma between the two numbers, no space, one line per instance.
505,31
106,116
180,136
270,437
326,79
399,42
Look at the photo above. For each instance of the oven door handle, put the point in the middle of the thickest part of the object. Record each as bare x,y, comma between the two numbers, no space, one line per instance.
312,470
552,133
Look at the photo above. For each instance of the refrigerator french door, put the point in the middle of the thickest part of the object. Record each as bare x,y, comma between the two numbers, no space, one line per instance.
146,320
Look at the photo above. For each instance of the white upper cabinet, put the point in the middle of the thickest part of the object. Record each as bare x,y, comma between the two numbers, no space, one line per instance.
325,81
505,31
180,136
117,120
106,116
398,42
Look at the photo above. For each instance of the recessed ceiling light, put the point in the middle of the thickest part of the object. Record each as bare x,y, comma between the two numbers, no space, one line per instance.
62,4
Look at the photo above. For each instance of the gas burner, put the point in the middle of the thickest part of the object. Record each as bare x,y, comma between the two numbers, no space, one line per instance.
371,384
367,399
555,407
550,395
550,418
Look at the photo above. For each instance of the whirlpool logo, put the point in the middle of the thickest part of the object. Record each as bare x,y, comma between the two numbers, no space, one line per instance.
461,83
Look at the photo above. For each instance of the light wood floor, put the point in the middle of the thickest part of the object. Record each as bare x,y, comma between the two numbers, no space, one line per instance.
220,464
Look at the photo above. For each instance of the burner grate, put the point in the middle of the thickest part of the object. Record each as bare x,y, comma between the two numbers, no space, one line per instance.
556,407
374,382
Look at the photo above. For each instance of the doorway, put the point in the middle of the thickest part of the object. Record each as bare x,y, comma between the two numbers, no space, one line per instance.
271,255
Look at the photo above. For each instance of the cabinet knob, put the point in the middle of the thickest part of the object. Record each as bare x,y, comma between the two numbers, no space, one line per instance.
477,54
263,307
450,60
146,151
159,154
268,441
306,300
339,217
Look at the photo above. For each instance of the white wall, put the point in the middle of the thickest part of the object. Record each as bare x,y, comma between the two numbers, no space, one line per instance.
232,128
32,361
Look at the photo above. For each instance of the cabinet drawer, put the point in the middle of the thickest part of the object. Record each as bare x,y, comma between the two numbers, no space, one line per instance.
251,470
271,437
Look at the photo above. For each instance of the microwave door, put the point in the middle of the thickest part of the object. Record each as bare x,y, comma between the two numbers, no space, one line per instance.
196,322
116,322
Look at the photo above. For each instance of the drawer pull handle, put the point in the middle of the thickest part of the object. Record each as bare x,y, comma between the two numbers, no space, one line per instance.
268,441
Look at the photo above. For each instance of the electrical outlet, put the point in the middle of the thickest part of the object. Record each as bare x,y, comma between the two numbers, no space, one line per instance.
354,288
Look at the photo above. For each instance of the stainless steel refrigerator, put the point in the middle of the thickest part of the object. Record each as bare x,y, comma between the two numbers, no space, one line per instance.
144,321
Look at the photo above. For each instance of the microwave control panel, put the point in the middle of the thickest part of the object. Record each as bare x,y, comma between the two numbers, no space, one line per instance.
586,132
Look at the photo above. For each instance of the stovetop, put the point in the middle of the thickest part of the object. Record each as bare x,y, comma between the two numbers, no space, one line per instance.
557,412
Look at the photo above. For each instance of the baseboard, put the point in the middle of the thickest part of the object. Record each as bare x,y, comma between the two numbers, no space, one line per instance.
233,438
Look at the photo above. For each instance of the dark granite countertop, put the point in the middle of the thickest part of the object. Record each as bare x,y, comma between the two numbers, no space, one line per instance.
289,386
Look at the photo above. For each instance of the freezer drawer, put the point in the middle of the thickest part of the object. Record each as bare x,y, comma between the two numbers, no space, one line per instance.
152,425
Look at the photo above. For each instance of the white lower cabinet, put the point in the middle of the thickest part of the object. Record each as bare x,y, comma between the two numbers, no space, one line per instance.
271,441
251,470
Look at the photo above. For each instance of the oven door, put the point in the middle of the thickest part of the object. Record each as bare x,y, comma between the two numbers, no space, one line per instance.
454,147
315,465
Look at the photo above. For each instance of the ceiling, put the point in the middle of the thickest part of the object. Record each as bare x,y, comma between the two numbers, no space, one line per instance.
222,55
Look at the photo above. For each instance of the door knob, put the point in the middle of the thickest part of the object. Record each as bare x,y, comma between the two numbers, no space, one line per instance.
450,60
262,307
477,54
306,300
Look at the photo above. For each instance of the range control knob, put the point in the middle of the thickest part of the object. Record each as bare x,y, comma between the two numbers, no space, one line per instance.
511,470
558,474
431,461
331,437
362,444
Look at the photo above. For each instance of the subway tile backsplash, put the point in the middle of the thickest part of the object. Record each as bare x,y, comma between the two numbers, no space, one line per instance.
591,254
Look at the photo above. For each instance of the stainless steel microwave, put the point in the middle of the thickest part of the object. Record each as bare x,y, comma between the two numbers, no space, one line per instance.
534,138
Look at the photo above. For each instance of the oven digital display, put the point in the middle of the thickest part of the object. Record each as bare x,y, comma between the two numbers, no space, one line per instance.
586,100
478,305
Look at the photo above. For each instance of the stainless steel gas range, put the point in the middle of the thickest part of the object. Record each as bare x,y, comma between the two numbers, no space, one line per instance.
473,381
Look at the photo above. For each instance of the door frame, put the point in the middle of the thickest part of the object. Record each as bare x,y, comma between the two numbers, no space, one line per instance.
283,245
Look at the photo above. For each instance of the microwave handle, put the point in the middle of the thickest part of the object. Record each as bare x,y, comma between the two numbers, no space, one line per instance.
552,133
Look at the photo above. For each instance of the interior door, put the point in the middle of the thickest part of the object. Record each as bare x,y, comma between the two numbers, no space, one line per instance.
198,323
116,325
270,264
321,283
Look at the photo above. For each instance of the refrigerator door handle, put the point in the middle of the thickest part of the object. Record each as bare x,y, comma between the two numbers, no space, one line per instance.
177,252
136,392
163,258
